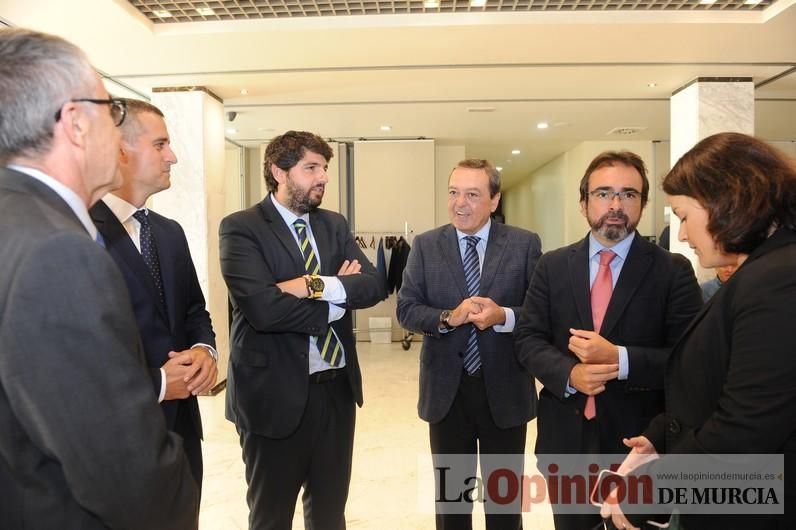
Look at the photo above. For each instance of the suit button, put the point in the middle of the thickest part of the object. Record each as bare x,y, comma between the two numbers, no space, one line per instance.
674,426
461,355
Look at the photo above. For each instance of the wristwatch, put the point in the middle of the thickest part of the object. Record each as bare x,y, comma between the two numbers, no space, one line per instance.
314,286
443,320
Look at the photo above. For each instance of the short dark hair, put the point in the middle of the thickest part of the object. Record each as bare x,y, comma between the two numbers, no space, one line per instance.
286,150
491,172
746,185
131,126
38,74
613,158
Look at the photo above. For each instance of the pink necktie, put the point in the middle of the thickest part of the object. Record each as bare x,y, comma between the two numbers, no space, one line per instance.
600,296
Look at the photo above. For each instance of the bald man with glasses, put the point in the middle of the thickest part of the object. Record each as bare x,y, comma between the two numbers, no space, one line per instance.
599,320
83,444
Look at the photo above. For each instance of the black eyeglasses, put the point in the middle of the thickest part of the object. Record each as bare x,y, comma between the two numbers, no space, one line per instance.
118,108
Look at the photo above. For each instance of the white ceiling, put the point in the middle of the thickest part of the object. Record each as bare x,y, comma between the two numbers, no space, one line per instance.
344,77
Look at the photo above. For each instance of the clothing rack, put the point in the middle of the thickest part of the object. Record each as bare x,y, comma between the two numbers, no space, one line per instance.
361,237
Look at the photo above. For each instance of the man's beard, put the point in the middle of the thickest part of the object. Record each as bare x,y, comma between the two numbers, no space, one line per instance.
300,200
613,232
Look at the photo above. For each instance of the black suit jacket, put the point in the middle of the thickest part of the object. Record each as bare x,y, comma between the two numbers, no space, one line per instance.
730,379
82,443
184,321
268,380
434,281
655,298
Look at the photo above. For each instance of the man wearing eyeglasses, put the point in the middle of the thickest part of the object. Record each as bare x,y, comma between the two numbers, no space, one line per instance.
82,443
598,323
152,253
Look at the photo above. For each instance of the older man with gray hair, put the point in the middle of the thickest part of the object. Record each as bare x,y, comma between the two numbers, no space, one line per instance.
82,442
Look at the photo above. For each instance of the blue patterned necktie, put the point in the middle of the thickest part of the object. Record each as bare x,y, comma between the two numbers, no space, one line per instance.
328,345
150,253
472,276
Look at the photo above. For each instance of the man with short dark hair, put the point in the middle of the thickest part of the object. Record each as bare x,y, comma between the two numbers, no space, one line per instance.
82,443
294,274
599,321
462,288
153,256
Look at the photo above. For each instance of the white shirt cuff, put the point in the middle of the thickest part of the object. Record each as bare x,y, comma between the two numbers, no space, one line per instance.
335,313
333,290
508,325
162,385
624,363
211,350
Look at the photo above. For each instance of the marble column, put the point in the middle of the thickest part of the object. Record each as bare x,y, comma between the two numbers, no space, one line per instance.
196,199
706,106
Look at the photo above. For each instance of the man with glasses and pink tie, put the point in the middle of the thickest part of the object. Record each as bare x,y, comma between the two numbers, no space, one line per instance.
598,323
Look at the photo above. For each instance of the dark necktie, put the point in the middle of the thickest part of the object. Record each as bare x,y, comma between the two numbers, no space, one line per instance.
472,276
328,345
150,253
601,291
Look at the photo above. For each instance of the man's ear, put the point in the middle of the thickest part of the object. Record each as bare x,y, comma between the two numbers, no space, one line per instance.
124,156
73,124
279,174
583,210
495,201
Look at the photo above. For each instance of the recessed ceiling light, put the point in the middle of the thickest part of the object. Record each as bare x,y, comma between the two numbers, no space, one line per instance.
244,92
477,3
707,2
652,84
515,151
752,2
480,109
231,130
499,168
542,125
385,128
205,11
431,4
162,13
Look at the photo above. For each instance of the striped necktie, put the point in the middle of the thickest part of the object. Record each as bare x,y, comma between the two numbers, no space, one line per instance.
472,276
328,346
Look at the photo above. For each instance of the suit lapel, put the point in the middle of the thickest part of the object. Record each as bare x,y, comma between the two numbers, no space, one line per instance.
449,250
495,248
320,231
282,232
579,277
633,272
167,260
123,251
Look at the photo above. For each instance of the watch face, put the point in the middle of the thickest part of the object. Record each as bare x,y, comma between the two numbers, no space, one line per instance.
445,316
316,284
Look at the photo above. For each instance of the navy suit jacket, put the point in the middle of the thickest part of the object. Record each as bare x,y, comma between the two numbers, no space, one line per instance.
433,281
655,298
184,321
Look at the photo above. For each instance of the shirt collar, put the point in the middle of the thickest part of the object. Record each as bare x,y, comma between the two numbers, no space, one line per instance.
71,198
288,216
621,249
122,209
482,234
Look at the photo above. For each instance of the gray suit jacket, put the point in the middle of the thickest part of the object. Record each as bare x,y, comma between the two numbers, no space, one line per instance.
83,444
434,281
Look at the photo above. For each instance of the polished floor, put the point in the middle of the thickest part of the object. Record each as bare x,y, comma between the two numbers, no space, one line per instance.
392,475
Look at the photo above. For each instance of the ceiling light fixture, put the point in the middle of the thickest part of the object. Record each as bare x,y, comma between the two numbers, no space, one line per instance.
431,4
652,84
205,11
477,3
752,2
162,13
515,151
499,168
542,125
231,130
707,2
385,128
244,92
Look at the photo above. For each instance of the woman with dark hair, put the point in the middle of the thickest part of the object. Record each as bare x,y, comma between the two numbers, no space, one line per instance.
731,379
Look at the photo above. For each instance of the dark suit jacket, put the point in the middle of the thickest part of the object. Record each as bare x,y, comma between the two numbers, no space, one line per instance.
184,321
82,443
268,380
434,281
655,298
730,379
